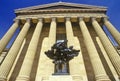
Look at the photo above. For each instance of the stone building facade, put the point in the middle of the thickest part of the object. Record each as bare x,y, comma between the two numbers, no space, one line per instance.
41,26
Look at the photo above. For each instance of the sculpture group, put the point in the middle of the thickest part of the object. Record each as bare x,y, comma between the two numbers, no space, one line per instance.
61,55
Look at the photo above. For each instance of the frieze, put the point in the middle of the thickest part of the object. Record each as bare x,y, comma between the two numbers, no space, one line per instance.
97,15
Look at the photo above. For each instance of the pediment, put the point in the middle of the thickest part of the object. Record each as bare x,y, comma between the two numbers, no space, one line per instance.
60,6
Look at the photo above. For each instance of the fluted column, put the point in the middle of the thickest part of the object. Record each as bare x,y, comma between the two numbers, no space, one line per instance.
52,32
107,59
6,38
15,62
25,70
69,32
115,33
76,65
10,58
45,65
98,68
112,53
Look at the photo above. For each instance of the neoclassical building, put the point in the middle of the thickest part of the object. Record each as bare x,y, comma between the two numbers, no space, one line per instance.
43,25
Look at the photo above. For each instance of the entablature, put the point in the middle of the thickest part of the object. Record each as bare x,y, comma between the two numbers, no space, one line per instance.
61,11
60,16
61,7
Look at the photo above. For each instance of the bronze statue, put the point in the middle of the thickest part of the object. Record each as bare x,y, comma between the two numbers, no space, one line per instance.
61,56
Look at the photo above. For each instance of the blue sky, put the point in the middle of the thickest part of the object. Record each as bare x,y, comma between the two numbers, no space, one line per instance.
7,10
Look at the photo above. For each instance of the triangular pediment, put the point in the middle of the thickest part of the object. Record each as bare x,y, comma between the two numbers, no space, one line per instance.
60,6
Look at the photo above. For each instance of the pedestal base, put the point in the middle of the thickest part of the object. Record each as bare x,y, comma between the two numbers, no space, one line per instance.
60,78
60,74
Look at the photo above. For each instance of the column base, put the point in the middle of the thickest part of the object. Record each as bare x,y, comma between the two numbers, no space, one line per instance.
79,78
23,78
60,78
38,78
102,78
60,74
2,78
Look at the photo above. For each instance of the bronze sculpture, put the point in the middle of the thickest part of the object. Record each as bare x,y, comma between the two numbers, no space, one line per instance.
61,55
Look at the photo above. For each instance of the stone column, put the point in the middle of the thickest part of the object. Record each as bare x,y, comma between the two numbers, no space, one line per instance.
11,56
15,62
76,65
112,53
98,68
112,30
69,32
107,59
6,38
25,70
52,33
45,66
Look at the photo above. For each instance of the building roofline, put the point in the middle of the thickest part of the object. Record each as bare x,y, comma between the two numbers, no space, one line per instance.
62,3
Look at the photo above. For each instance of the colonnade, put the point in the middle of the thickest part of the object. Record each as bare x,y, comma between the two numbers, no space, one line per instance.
24,74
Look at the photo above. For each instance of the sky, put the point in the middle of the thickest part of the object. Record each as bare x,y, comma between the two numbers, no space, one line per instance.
7,8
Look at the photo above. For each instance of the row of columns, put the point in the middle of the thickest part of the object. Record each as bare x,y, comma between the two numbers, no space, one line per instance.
45,65
114,32
80,73
25,70
112,53
6,38
94,56
24,74
10,58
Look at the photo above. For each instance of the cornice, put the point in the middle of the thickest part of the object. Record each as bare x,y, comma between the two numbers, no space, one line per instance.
61,15
62,4
62,11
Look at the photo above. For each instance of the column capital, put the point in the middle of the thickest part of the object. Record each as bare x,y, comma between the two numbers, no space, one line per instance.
105,19
28,20
40,19
53,18
93,18
67,18
16,20
80,18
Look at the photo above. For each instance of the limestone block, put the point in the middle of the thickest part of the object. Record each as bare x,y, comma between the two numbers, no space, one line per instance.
60,78
39,79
